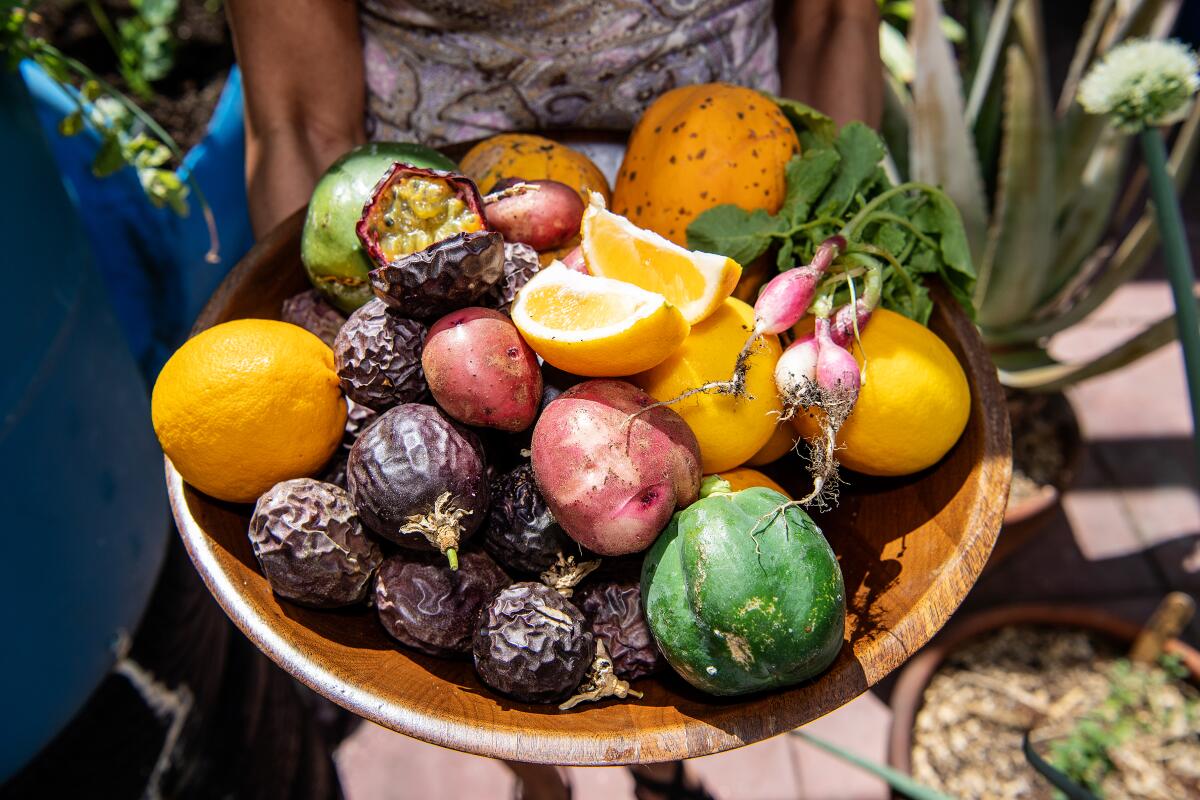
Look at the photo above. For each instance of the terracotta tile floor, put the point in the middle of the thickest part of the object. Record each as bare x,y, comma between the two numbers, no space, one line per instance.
1128,532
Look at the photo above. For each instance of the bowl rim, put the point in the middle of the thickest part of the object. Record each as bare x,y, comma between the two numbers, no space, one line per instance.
679,736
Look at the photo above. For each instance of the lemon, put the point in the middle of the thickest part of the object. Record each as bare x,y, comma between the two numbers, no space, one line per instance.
778,446
613,247
746,478
729,429
594,326
247,404
913,405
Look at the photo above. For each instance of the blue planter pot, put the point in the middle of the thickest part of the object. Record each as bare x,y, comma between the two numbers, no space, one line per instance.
151,260
85,514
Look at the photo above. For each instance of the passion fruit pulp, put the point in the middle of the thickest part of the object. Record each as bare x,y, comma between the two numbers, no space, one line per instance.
329,247
412,208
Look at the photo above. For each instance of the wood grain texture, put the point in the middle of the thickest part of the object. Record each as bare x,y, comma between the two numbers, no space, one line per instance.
910,549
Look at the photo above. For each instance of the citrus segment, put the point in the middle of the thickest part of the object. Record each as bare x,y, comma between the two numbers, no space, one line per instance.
593,326
614,247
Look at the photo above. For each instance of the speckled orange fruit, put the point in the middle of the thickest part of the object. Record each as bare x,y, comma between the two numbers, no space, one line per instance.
701,146
523,155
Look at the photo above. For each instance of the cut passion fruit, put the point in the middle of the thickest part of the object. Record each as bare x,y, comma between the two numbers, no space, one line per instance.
413,208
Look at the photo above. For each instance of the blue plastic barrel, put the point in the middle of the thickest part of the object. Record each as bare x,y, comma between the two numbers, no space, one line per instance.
84,513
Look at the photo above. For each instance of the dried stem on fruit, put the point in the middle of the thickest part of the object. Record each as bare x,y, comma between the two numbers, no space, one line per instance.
440,526
565,574
601,682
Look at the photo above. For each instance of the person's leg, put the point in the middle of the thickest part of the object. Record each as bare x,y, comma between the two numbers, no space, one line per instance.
540,781
668,781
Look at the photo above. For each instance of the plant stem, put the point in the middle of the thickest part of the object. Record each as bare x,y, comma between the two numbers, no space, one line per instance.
894,778
1179,266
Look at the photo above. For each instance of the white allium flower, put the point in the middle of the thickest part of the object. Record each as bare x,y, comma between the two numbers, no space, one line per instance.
1142,82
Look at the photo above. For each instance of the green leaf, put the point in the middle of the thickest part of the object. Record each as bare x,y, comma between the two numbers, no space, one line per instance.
91,91
806,119
109,158
734,232
940,216
861,150
904,784
71,124
807,176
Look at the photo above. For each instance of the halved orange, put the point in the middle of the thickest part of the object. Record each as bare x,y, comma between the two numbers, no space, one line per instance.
593,326
613,247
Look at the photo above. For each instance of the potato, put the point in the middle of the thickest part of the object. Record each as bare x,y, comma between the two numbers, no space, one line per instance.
613,484
544,217
480,371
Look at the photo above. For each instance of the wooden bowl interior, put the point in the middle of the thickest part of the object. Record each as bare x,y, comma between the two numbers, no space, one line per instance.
909,548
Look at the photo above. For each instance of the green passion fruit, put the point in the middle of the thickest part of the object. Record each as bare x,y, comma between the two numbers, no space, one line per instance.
329,247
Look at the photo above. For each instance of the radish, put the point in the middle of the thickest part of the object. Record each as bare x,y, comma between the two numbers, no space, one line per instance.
781,304
574,261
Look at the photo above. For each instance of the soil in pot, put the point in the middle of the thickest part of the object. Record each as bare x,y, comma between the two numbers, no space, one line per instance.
1122,730
183,100
1045,434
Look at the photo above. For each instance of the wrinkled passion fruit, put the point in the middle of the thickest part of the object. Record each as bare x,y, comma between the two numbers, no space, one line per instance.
614,610
520,264
426,233
418,479
532,644
311,311
426,605
377,355
521,532
310,544
451,274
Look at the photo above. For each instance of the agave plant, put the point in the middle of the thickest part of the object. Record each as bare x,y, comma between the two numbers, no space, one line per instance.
1054,222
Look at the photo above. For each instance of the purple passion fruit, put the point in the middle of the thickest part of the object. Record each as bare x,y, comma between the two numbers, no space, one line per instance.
377,355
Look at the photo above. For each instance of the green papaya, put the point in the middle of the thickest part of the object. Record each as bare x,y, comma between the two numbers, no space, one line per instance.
333,257
740,598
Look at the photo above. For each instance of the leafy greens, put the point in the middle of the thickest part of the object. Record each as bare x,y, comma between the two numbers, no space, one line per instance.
837,185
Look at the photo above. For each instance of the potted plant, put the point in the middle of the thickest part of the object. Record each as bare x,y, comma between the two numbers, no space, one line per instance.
1102,702
1055,224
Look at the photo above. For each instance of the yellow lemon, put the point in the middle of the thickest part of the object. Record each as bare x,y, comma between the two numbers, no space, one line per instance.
697,283
594,326
913,405
778,446
729,429
746,478
246,404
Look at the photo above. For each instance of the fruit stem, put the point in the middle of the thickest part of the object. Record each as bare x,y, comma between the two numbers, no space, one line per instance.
440,527
452,557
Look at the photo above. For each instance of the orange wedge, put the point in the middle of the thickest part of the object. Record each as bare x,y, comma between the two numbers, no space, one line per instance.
594,326
613,247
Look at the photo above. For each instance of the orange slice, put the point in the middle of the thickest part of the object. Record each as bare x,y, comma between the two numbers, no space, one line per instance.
613,247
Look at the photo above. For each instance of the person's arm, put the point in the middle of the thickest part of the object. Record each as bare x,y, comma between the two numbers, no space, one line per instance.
829,58
302,75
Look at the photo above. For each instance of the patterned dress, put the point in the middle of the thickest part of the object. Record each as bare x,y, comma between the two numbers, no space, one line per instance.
443,72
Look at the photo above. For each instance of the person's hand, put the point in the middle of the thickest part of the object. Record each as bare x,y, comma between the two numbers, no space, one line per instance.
302,70
829,58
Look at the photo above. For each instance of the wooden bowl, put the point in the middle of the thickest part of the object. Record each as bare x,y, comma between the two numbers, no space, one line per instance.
910,549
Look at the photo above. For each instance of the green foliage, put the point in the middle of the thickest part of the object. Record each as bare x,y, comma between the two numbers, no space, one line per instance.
1130,709
128,136
837,186
1055,227
144,42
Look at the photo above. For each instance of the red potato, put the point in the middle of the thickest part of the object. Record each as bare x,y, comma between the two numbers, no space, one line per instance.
543,216
612,482
480,371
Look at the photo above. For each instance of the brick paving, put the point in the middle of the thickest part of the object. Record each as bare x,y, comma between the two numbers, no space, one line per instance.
1128,532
